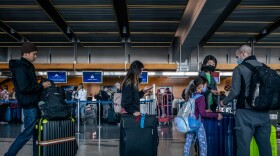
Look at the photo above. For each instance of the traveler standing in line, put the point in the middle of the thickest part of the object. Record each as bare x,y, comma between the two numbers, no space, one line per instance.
130,92
74,97
106,106
118,87
208,66
28,95
82,96
248,122
198,87
4,106
5,93
74,94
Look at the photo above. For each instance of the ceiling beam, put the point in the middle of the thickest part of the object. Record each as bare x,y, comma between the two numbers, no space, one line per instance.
268,30
54,15
11,32
120,7
223,16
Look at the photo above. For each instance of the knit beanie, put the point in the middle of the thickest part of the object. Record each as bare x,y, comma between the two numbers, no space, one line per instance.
28,47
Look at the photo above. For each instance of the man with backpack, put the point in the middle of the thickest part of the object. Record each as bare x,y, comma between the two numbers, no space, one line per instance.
249,121
28,95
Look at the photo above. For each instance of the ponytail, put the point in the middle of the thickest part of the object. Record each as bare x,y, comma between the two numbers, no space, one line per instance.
191,88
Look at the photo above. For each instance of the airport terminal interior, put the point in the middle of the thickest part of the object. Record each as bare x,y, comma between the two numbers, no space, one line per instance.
94,42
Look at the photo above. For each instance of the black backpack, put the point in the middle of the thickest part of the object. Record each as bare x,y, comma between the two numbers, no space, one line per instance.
264,89
53,105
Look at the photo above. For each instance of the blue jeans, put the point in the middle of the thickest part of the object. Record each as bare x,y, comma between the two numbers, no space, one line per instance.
81,110
30,119
201,139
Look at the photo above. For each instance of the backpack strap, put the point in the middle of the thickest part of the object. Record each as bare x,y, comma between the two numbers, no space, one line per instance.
248,65
197,96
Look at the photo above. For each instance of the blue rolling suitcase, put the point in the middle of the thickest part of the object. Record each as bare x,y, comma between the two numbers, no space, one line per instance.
220,136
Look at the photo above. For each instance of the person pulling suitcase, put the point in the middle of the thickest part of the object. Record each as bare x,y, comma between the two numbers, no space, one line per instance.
135,126
28,95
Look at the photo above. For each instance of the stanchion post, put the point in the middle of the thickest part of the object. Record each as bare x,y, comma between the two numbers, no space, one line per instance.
78,131
99,114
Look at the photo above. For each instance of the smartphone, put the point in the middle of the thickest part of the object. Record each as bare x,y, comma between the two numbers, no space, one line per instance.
151,87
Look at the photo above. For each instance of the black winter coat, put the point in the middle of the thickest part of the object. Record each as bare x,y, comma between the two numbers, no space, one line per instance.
28,90
131,98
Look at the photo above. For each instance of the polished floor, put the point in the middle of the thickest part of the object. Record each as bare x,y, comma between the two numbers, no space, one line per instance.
103,141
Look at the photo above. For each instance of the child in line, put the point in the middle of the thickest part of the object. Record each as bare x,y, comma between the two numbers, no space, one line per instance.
199,87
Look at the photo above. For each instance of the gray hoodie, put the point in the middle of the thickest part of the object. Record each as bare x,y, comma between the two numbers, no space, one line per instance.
241,72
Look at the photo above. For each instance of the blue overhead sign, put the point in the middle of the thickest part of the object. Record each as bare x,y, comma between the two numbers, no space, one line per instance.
92,77
57,76
144,77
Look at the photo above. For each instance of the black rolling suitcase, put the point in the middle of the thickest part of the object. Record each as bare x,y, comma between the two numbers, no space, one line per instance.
56,137
136,140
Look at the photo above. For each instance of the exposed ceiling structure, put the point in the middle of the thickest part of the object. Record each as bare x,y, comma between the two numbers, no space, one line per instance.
256,21
92,23
142,23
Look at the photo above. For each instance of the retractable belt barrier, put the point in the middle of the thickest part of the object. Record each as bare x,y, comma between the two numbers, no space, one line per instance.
74,101
78,102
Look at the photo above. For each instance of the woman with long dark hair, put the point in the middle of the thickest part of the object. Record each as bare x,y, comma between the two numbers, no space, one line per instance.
208,66
130,92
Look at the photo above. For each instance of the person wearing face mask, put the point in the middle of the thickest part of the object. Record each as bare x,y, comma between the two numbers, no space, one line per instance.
82,96
199,86
130,93
248,122
208,66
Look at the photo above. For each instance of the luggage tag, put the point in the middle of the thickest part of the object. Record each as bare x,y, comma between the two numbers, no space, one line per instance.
142,122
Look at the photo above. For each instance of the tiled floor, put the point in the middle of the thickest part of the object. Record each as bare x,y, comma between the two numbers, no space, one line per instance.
102,141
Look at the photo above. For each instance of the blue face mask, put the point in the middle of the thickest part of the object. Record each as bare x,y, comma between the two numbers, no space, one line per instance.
239,60
204,89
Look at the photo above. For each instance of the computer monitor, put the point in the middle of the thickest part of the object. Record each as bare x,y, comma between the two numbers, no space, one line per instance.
57,76
92,76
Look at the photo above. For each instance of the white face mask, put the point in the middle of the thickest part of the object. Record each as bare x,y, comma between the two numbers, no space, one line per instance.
204,89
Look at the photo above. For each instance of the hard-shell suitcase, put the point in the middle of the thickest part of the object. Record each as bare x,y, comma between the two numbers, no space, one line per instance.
220,136
254,150
56,137
136,141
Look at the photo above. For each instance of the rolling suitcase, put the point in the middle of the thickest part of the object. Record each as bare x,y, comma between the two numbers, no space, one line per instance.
56,137
220,136
137,141
254,150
